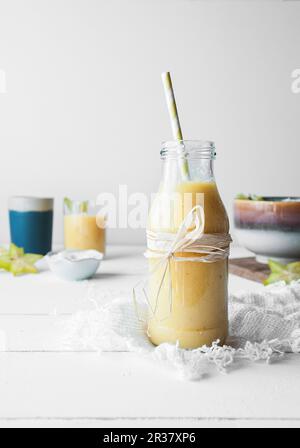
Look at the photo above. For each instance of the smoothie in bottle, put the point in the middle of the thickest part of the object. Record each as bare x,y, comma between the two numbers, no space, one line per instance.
197,314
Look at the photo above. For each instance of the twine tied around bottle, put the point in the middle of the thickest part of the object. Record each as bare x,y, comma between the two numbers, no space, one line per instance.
189,244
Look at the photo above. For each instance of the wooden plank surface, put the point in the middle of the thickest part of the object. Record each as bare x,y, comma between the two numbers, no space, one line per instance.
110,388
249,268
42,385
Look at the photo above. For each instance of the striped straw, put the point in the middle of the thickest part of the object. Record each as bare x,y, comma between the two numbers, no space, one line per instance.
175,123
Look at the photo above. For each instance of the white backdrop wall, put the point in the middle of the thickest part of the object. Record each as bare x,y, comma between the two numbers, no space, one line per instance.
84,109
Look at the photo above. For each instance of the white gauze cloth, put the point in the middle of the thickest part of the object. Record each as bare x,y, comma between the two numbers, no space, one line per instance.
263,326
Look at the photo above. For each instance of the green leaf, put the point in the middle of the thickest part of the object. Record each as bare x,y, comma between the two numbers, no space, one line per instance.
242,196
249,197
69,204
84,206
255,197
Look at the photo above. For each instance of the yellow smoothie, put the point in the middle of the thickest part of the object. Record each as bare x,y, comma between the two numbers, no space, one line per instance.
198,314
84,232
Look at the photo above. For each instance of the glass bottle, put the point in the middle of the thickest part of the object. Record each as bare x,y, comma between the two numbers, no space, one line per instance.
197,314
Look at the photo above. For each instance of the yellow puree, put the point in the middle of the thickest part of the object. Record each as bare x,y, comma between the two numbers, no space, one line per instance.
198,314
84,232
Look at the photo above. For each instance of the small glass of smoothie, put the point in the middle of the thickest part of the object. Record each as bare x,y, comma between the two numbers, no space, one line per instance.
31,222
84,228
197,313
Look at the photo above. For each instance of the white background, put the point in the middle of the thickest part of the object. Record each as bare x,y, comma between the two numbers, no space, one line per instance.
84,109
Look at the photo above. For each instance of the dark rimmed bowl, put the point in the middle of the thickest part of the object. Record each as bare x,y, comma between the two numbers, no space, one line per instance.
270,227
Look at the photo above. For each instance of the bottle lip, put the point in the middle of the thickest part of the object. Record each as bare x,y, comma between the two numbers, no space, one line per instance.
203,149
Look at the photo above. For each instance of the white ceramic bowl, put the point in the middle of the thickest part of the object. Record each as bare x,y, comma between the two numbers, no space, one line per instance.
74,265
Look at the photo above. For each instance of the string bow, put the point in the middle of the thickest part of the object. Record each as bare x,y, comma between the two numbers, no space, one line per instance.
186,245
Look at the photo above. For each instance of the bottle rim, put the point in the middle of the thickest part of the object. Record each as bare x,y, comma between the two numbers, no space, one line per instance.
202,149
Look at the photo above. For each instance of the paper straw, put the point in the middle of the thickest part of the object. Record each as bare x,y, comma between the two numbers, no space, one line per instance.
175,123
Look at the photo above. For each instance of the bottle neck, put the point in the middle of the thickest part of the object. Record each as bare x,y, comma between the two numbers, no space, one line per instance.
188,161
199,171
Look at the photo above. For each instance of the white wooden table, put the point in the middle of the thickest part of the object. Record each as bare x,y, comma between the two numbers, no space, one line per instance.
43,385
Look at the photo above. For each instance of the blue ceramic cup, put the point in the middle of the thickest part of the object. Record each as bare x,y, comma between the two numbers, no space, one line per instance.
31,222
